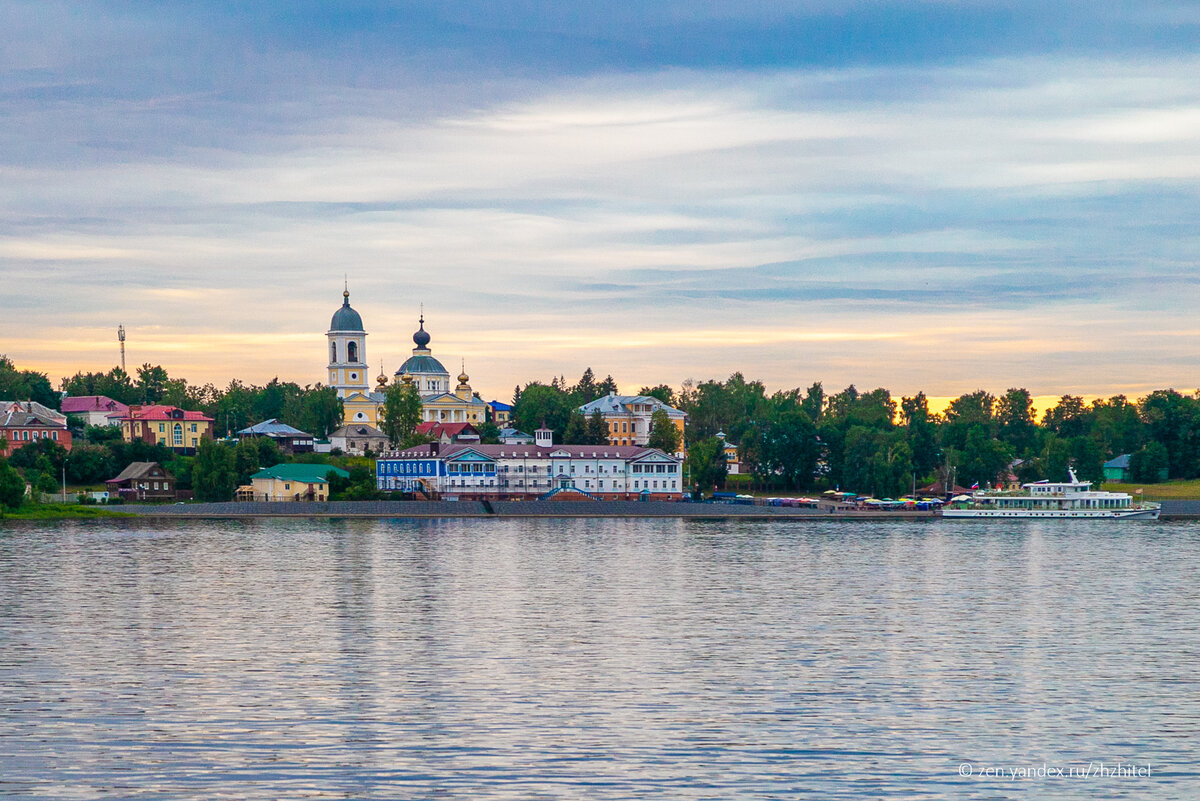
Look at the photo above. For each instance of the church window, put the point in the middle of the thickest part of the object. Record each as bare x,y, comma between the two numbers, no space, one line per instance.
333,351
352,352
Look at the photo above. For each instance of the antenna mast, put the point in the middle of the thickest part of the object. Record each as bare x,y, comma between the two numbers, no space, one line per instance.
121,339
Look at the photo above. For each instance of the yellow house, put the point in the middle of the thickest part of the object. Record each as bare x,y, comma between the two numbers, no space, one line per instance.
290,482
629,417
175,428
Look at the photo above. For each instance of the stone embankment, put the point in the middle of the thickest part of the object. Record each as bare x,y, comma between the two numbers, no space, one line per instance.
427,509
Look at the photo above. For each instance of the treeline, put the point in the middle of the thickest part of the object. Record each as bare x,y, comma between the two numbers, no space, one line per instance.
315,409
872,442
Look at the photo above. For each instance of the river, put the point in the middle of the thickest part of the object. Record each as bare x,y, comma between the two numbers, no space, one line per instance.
599,659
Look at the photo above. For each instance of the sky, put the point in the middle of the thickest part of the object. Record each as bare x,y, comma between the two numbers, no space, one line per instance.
935,196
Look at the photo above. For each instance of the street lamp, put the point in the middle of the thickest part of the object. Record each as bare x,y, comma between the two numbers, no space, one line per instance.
64,478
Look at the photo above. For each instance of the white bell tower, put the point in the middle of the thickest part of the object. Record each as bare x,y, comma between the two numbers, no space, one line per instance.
347,350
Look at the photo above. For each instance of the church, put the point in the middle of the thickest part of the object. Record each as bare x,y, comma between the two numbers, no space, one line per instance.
348,374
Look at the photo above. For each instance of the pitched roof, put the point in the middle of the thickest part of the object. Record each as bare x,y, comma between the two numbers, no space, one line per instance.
27,414
433,428
617,404
92,403
358,430
306,473
155,412
500,407
274,428
1121,462
135,470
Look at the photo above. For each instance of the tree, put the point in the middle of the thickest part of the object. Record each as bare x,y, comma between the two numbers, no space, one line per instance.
1015,421
540,404
401,412
984,458
663,392
922,434
664,434
784,449
321,411
1149,464
585,391
12,486
152,382
89,464
214,473
576,431
26,385
596,431
245,460
706,464
1068,418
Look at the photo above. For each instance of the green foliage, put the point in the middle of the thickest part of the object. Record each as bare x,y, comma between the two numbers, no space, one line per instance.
706,464
102,434
214,473
1015,421
784,449
922,435
663,392
664,434
151,382
115,384
401,412
878,461
489,432
245,459
541,403
90,464
12,486
983,459
26,385
1150,464
45,454
359,486
576,431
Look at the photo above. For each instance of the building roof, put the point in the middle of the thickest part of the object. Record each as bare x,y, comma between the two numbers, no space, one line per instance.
626,452
358,430
1120,463
432,428
92,403
346,318
162,413
274,428
422,364
305,473
134,471
512,432
35,408
618,404
25,414
500,407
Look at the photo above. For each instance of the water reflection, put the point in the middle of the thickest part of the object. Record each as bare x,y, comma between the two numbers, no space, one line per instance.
594,659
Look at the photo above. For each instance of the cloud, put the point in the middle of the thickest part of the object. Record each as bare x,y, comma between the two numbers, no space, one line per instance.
927,225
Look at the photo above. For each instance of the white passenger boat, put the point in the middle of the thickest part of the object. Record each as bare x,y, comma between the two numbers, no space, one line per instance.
1051,499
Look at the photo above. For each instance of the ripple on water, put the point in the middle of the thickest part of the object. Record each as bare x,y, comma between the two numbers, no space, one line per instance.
595,659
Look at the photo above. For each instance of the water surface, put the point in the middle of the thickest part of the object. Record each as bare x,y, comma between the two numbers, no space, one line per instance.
597,659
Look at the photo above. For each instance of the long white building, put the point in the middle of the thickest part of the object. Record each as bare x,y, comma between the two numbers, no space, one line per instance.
528,471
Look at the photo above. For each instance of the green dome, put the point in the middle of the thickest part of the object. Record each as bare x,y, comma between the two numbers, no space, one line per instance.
423,365
346,318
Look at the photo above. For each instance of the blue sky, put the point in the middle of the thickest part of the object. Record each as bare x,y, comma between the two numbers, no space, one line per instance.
934,196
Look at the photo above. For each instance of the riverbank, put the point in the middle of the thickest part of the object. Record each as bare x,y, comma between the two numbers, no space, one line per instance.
1172,510
62,511
514,509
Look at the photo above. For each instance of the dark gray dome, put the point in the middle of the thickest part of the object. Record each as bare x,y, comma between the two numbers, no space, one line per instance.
346,318
421,338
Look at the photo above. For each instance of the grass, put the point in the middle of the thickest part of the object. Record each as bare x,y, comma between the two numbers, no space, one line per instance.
59,511
1168,491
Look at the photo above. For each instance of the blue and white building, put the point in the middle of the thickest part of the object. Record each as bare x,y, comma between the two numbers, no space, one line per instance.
529,471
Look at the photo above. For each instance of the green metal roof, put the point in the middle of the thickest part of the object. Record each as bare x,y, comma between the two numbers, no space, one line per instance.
304,473
423,365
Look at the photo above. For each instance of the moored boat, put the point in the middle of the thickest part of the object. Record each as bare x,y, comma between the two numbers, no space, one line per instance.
1053,499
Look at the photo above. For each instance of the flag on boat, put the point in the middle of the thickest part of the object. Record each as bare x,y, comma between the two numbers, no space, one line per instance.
975,485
